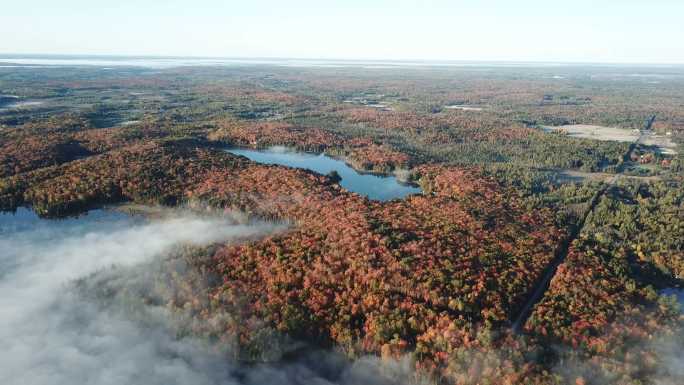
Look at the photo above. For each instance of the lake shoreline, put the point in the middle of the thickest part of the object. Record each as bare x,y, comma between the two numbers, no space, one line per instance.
290,157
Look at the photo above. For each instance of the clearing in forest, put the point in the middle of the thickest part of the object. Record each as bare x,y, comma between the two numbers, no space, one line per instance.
596,132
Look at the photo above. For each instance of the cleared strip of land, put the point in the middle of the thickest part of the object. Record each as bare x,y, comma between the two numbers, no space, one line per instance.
664,144
595,132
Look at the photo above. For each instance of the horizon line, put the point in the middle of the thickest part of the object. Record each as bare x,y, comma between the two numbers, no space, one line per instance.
332,59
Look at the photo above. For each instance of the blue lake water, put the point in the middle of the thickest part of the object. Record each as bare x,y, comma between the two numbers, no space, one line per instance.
679,293
382,188
23,230
25,220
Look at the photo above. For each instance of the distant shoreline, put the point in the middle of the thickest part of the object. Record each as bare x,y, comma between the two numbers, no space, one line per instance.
33,59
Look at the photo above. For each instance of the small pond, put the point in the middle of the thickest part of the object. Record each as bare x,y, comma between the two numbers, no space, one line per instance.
679,293
8,105
382,188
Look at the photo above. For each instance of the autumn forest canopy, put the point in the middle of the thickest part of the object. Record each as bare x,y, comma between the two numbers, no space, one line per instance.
544,246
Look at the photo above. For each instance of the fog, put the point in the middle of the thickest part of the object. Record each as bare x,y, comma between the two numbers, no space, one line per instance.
51,333
75,310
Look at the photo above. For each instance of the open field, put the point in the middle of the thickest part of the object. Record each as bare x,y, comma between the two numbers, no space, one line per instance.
463,108
663,143
588,131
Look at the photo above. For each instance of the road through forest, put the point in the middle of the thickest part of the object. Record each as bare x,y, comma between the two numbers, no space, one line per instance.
562,251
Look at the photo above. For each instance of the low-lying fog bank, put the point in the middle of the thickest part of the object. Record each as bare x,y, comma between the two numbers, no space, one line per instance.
72,310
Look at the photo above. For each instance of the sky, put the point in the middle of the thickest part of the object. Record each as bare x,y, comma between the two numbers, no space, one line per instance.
614,31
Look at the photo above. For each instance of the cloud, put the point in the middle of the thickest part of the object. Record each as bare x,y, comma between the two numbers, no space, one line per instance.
53,332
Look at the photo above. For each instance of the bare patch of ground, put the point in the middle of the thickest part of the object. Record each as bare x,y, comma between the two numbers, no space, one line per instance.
581,176
463,108
664,144
587,131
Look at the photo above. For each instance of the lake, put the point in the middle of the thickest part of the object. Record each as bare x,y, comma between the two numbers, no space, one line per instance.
24,230
377,187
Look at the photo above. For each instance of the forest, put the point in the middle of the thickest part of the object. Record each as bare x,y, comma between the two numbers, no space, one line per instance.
530,256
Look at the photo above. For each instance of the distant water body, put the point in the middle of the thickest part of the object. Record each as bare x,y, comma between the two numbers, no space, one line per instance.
37,61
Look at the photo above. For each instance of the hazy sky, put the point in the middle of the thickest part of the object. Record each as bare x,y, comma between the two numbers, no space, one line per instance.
549,30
